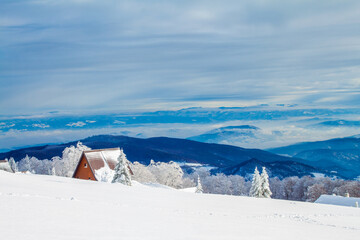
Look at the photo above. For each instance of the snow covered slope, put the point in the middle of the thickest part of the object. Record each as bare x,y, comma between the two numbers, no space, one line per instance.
48,207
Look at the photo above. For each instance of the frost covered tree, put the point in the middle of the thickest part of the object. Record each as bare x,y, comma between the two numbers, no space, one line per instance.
265,187
25,164
169,174
104,174
315,191
13,165
122,173
199,188
59,166
141,173
277,188
36,166
256,189
71,156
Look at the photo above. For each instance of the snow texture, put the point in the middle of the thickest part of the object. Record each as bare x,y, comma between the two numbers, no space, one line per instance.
39,207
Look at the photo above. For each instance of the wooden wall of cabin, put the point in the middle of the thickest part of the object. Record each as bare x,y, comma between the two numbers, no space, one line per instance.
83,171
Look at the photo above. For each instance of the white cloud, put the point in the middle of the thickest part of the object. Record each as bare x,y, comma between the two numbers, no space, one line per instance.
40,125
6,125
173,53
76,124
119,122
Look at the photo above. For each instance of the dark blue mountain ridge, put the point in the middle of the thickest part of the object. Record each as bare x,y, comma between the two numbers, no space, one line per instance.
159,148
341,155
224,157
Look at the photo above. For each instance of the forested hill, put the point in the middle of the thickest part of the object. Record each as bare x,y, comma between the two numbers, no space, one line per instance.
341,155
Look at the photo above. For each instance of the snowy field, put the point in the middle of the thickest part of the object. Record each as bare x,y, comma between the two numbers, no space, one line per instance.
48,207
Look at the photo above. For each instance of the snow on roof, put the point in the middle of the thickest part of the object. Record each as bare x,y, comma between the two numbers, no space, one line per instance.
5,166
338,200
111,156
102,157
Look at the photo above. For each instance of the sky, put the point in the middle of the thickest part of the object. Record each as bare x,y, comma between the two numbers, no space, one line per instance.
88,56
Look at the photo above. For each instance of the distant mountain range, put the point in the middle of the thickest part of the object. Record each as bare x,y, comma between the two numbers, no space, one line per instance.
338,123
340,155
225,158
240,133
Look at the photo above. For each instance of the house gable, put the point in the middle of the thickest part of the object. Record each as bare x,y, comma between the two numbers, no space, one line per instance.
83,170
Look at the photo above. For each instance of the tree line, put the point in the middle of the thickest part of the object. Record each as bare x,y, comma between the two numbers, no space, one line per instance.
306,188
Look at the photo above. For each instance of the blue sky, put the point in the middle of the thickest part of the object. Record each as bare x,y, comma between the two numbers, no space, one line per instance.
88,56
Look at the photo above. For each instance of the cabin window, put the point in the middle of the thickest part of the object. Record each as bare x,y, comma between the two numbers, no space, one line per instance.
85,165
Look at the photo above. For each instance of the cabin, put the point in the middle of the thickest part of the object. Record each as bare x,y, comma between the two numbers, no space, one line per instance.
5,166
92,160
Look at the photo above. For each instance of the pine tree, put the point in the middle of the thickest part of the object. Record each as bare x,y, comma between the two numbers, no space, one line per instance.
256,190
265,187
122,173
199,188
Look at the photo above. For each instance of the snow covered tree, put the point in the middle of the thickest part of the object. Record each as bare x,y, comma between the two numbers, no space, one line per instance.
289,185
13,165
25,164
71,156
122,173
199,188
36,166
265,187
315,191
53,172
104,174
277,188
256,189
142,173
59,166
169,174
